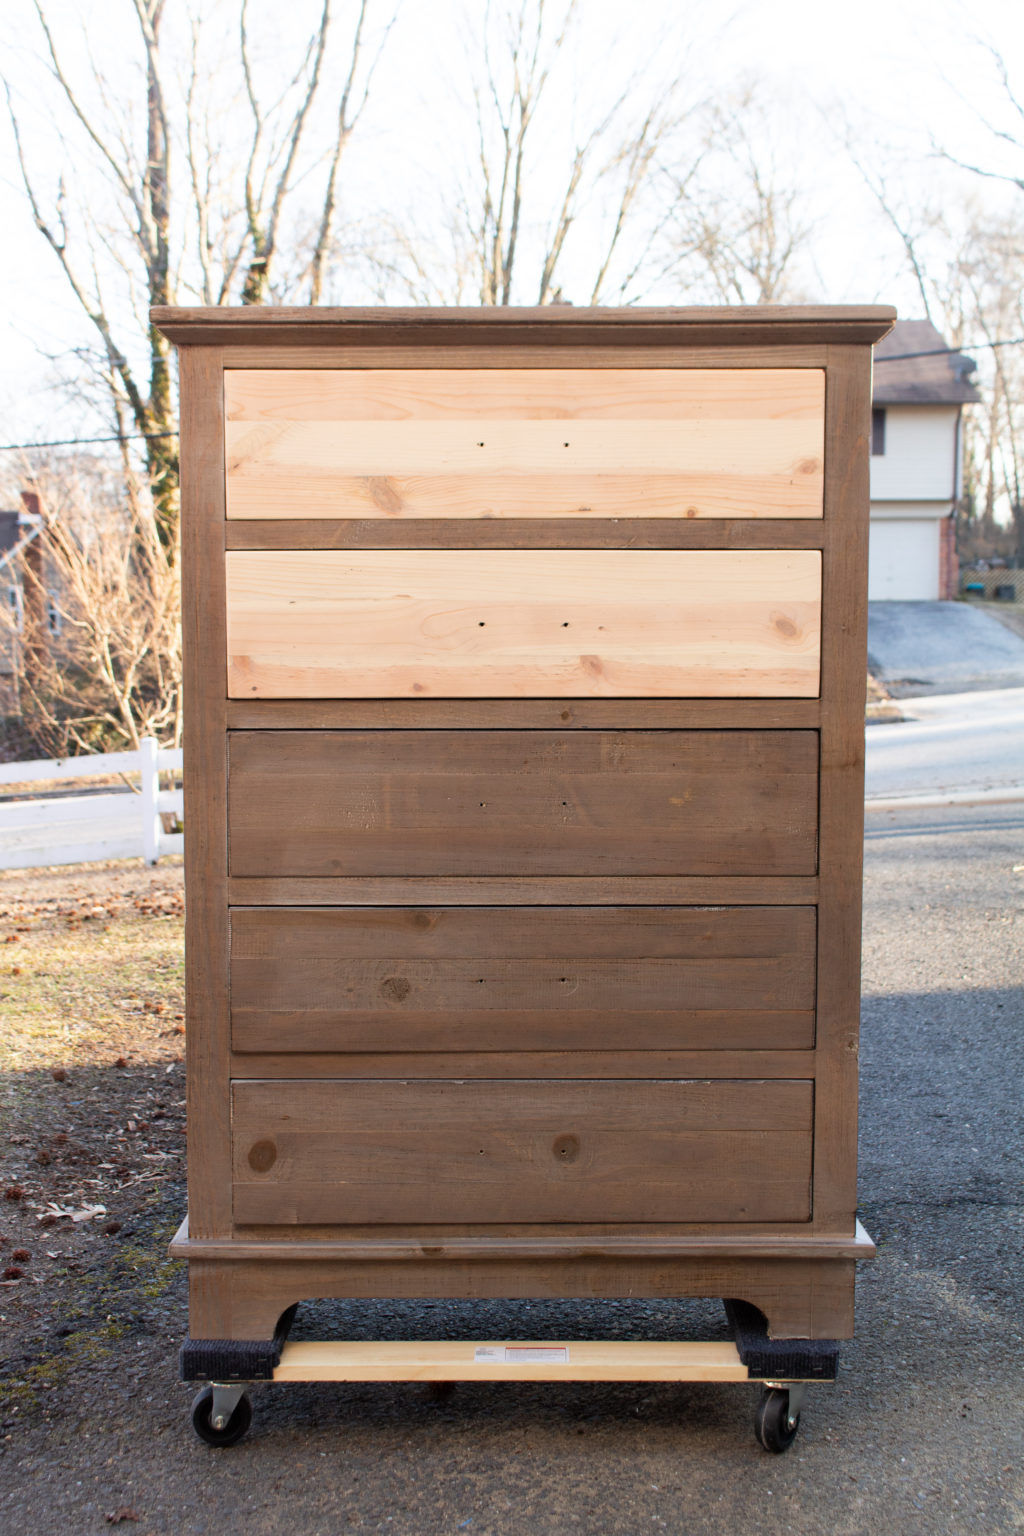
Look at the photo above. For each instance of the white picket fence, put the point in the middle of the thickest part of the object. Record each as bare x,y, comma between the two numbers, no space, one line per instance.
78,829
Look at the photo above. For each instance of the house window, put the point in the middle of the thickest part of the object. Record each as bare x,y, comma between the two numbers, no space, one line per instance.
14,605
54,622
877,431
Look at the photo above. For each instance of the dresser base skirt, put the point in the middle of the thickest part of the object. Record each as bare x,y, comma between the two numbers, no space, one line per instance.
804,1287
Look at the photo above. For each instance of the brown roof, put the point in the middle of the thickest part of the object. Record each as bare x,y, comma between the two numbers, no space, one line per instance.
914,366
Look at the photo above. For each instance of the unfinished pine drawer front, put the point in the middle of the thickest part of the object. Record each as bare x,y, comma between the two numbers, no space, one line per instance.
487,802
538,623
346,1152
553,442
522,978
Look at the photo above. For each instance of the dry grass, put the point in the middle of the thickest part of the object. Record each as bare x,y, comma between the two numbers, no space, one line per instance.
91,967
91,1107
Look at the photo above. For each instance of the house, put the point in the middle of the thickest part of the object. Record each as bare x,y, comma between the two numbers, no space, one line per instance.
920,389
10,616
29,616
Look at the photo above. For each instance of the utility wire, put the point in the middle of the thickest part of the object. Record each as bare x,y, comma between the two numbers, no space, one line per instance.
75,442
148,437
902,357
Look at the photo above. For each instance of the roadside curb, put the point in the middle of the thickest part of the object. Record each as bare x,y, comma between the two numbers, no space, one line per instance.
1010,794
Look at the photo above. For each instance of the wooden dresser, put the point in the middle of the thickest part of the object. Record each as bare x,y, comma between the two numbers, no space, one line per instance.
525,672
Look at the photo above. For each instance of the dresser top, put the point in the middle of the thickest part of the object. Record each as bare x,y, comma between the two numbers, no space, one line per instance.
739,325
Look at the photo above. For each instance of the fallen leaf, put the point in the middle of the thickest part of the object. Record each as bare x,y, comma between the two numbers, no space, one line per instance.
118,1516
86,1213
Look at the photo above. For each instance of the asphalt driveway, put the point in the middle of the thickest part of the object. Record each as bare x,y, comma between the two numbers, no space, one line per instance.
922,1434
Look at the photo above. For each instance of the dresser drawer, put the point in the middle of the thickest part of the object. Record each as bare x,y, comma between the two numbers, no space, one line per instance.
486,802
522,978
382,1152
523,623
524,442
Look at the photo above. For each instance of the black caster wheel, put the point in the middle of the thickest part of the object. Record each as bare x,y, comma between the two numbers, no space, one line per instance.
233,1430
775,1425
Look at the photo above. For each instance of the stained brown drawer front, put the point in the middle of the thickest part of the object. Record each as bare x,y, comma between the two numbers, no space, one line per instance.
522,978
437,803
348,1152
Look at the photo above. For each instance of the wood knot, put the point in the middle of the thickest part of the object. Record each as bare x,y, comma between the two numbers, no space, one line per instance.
262,1156
384,495
808,467
566,1148
395,988
784,626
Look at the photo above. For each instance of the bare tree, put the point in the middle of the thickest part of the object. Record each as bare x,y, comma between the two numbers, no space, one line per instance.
151,238
983,302
139,178
110,671
1007,135
739,222
565,189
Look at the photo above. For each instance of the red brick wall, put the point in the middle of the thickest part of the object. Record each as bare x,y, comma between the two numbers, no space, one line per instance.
949,566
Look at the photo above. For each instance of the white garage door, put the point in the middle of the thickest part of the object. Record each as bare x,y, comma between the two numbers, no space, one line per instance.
903,559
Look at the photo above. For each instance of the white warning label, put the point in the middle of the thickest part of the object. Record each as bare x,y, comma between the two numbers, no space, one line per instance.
511,1354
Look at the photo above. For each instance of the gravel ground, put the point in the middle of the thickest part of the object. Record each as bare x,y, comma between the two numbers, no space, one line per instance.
922,1434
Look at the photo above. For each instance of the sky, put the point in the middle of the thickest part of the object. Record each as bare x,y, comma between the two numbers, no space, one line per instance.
895,76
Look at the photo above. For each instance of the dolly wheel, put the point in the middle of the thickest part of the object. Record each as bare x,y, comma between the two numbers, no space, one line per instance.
775,1424
231,1432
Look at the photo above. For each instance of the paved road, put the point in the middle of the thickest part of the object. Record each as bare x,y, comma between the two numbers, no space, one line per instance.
922,1436
963,744
917,648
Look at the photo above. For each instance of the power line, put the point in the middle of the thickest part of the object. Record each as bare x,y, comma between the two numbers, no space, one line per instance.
149,437
902,357
76,442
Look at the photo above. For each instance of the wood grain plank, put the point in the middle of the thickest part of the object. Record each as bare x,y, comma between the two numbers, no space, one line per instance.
465,352
524,443
410,979
538,395
566,1065
542,891
465,623
495,325
523,803
442,1151
205,781
525,714
647,1242
519,1360
580,532
801,1298
842,786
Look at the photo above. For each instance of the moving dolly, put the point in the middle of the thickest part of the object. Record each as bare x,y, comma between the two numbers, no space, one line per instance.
222,1412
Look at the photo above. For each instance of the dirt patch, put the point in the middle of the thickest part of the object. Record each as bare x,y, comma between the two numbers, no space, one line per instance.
881,708
92,1116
